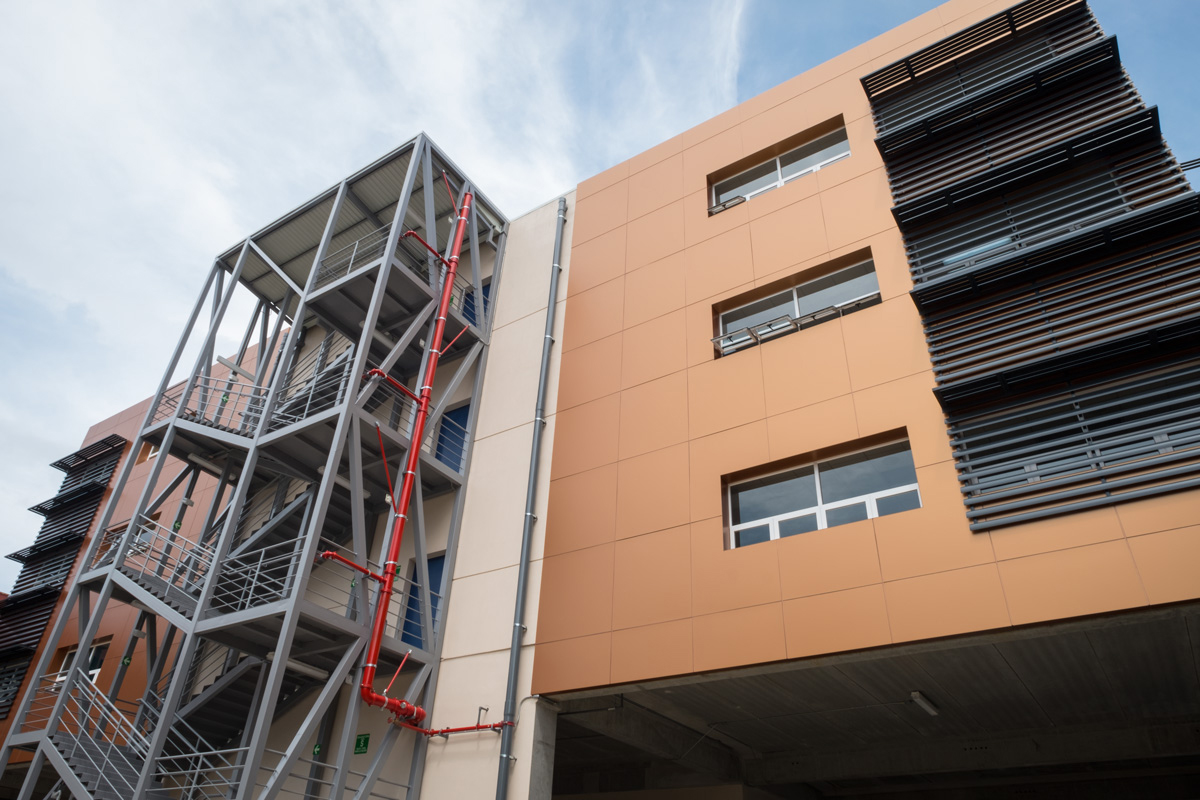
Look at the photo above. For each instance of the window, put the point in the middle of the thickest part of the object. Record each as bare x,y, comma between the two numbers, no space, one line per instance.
410,632
771,174
452,437
95,661
860,486
802,306
149,450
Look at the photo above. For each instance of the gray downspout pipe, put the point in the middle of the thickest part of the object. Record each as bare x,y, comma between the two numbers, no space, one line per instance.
539,418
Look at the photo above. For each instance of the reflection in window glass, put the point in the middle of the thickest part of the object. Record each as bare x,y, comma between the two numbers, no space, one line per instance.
865,473
847,290
774,173
778,494
839,491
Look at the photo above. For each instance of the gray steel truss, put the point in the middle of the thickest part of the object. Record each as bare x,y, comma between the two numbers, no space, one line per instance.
281,450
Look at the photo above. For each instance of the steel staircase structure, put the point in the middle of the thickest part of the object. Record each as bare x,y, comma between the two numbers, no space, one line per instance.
254,645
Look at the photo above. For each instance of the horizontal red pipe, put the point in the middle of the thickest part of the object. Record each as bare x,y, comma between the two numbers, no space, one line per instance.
329,554
378,373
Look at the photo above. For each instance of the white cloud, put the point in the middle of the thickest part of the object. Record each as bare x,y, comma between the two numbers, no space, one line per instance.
143,138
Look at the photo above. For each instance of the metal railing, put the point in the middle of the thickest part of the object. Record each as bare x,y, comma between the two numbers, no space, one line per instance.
160,559
355,255
258,577
316,383
446,441
45,694
98,739
220,403
310,779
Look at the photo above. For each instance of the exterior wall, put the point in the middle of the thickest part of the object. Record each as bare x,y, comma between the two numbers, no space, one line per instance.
115,627
479,622
637,580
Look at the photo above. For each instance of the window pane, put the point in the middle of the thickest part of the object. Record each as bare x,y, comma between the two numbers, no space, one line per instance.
756,313
865,473
837,288
804,524
893,504
813,153
749,181
753,535
844,514
777,494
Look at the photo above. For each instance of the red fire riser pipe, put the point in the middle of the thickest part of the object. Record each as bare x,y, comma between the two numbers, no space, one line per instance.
402,709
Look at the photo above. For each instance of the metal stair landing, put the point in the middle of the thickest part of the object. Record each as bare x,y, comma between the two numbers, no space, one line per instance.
173,596
107,770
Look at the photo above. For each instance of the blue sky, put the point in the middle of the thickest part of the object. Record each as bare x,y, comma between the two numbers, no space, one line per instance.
142,138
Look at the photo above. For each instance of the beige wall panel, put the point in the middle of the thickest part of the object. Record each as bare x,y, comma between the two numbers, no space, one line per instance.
511,378
857,209
494,512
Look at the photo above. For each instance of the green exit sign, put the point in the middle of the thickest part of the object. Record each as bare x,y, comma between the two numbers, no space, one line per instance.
361,742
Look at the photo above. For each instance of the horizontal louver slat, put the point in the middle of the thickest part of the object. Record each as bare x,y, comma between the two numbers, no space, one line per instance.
986,60
1084,307
1106,442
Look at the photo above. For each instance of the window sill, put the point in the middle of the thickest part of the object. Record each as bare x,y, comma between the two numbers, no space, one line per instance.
735,341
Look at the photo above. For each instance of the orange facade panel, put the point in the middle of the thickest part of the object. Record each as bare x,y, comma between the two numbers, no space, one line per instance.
655,422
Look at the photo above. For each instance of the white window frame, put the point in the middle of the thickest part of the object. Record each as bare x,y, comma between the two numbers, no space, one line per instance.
730,341
68,662
780,177
821,508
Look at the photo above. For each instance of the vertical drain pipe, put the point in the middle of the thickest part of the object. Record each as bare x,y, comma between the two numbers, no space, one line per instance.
539,418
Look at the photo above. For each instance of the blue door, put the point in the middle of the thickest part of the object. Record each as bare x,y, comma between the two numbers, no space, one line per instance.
411,632
468,308
452,437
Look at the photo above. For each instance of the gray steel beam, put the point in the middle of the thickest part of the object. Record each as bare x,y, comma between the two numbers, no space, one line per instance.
283,276
314,716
